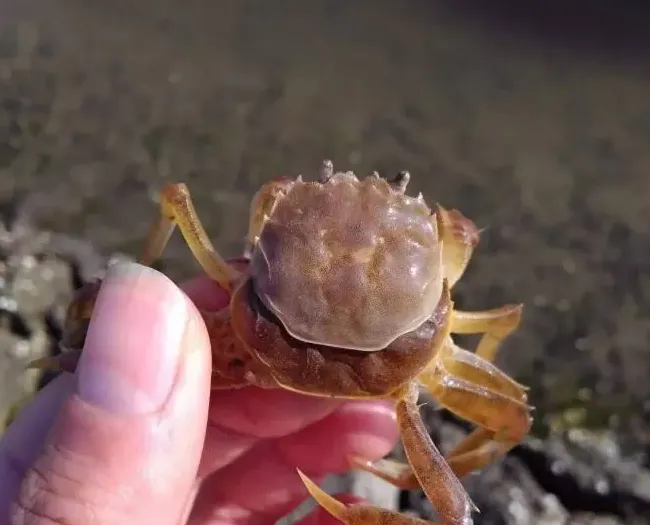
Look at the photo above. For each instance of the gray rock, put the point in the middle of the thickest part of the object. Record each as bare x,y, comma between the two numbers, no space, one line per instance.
38,273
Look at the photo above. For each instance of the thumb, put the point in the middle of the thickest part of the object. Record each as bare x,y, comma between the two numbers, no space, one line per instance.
126,443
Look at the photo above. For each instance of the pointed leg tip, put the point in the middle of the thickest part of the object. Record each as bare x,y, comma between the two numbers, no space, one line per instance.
313,489
330,504
304,478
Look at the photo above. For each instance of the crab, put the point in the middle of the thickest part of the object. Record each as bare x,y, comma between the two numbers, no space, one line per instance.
343,291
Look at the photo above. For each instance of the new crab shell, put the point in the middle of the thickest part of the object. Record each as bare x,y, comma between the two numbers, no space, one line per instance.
348,263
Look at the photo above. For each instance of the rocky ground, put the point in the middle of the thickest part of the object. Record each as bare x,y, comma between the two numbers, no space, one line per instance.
534,121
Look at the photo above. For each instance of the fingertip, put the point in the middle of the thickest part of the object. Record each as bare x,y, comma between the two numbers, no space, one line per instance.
135,341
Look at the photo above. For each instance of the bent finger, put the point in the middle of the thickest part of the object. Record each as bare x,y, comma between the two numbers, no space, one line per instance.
238,419
319,450
266,413
366,429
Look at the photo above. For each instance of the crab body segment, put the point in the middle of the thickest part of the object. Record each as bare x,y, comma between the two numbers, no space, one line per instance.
345,292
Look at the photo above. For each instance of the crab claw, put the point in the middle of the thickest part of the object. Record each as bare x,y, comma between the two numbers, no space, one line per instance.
357,514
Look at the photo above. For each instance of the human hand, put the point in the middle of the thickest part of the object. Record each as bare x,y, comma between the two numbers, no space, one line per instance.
136,436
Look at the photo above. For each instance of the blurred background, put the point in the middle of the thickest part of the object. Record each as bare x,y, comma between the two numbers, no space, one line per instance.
533,118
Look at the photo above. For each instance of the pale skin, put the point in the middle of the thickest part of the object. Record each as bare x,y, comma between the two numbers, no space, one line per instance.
466,383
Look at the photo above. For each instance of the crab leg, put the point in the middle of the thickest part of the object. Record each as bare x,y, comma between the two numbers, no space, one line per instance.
358,514
495,324
177,209
477,450
479,392
397,473
440,484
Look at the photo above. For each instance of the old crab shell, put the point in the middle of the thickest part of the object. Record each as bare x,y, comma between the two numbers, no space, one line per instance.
346,262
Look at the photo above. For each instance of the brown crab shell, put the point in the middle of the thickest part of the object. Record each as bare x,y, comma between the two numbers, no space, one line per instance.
319,370
348,263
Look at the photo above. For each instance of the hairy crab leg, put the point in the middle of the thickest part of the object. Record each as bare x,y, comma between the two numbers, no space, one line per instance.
495,325
477,450
177,209
479,392
433,475
397,473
